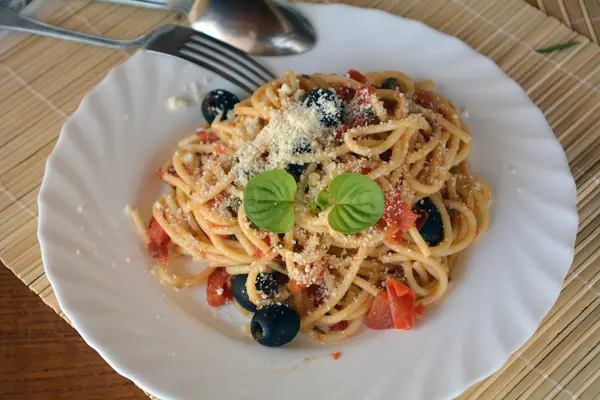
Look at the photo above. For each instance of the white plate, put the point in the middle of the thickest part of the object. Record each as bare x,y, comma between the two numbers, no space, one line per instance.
175,347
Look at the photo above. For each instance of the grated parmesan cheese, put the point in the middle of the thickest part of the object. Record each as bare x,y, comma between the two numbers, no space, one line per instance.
285,89
175,103
188,157
276,144
313,179
193,95
299,95
223,208
284,131
330,108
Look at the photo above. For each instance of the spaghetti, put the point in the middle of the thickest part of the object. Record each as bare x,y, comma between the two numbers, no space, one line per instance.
395,131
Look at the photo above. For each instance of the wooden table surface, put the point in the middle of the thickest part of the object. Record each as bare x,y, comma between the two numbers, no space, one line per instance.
43,357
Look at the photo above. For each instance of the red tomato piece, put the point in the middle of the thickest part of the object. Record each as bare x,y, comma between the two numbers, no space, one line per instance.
336,355
157,251
219,149
365,171
294,287
393,234
206,138
339,133
357,76
267,240
423,98
363,95
340,326
257,252
157,234
359,110
380,316
218,289
401,303
381,225
317,294
398,213
345,93
420,309
361,120
202,135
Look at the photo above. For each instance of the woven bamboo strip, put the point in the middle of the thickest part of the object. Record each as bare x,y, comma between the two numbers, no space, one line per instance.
560,361
566,346
583,16
583,382
582,371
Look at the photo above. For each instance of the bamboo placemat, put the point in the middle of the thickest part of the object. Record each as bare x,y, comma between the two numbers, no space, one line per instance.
583,16
43,80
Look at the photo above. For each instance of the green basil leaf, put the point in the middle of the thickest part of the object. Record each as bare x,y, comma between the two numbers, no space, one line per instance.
359,203
323,199
268,201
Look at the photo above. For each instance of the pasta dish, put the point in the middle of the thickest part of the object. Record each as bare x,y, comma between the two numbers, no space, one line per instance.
321,203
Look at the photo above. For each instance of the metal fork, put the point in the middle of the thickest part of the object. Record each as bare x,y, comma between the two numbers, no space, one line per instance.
178,41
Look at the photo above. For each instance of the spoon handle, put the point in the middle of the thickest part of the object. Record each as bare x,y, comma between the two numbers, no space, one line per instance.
19,23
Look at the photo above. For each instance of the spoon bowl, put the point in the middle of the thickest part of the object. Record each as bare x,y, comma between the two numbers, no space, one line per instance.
259,27
264,28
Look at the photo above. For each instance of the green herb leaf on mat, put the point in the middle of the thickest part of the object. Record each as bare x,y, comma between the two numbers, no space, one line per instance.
558,47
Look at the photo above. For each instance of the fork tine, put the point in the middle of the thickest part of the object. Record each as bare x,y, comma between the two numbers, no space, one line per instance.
210,45
223,74
195,48
176,41
239,52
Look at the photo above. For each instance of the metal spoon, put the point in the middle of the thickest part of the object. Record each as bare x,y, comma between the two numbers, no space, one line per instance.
260,27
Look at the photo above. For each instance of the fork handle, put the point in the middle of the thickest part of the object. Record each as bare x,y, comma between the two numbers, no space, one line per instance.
19,23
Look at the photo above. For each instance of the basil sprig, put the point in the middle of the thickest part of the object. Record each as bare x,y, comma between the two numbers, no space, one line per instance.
269,201
356,202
